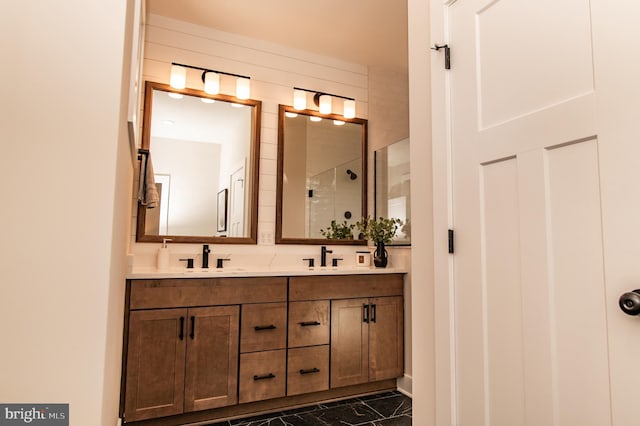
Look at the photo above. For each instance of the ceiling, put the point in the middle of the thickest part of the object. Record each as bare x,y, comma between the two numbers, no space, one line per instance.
367,32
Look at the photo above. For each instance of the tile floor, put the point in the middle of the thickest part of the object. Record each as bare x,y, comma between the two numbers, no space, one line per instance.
384,409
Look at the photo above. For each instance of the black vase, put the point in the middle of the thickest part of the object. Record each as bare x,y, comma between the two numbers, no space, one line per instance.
380,256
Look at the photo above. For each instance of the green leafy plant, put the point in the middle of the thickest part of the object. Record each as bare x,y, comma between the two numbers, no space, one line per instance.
379,230
339,231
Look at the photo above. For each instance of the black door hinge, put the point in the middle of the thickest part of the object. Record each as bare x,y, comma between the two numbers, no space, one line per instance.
447,54
451,241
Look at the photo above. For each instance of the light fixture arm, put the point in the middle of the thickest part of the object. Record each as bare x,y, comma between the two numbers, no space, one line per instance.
206,70
317,94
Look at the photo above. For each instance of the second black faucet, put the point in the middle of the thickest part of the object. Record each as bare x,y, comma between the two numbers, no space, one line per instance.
323,255
205,256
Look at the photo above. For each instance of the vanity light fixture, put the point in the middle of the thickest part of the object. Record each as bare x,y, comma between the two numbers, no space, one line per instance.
299,99
325,104
242,88
349,110
315,118
178,79
211,82
338,122
323,101
290,114
210,78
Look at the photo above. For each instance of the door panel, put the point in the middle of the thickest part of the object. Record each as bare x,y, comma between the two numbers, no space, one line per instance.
530,55
501,297
578,317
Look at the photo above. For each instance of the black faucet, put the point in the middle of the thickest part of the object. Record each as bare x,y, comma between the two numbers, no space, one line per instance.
205,256
323,255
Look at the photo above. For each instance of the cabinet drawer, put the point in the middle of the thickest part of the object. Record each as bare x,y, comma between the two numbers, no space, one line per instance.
172,293
308,370
308,323
323,287
264,327
262,375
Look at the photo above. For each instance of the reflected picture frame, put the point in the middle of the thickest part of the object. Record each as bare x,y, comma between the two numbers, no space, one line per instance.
222,210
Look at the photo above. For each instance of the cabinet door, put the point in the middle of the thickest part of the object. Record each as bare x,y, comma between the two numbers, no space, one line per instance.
349,342
155,363
386,340
212,357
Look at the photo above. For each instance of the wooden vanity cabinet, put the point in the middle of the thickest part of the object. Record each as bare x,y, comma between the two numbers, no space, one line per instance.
201,349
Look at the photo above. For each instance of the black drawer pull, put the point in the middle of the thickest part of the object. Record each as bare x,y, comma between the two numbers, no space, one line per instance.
193,328
365,313
181,328
308,323
312,370
373,313
266,376
264,327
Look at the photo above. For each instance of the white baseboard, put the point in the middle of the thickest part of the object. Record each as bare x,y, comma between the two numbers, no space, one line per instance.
405,385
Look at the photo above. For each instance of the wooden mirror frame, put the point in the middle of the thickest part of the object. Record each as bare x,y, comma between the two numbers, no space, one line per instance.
254,168
280,175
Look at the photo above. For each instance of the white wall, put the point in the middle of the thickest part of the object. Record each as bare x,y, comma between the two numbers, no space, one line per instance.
66,174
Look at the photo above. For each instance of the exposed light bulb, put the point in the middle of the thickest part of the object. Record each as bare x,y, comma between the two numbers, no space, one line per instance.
349,108
211,83
325,104
299,99
242,88
178,79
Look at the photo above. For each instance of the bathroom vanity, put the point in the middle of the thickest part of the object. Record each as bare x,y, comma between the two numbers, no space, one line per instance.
215,346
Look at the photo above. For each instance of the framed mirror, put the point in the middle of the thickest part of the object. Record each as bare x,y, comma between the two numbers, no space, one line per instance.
322,177
393,187
205,155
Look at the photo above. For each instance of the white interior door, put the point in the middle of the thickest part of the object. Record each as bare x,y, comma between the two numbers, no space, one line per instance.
545,165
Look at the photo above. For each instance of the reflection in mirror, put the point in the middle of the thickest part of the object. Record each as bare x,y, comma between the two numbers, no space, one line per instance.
322,175
201,146
393,187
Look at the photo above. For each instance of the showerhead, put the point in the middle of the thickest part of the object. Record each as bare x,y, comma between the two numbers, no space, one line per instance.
352,175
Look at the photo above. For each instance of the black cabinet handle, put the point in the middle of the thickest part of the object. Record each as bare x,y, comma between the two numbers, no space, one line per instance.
308,323
181,336
193,328
312,370
365,313
266,376
264,327
373,313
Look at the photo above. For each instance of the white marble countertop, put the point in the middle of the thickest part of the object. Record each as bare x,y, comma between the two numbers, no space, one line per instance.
152,273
